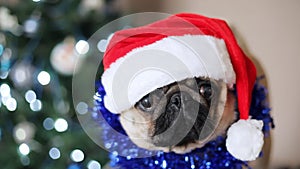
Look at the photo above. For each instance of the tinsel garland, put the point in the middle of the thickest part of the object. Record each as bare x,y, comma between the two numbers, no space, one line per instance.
214,154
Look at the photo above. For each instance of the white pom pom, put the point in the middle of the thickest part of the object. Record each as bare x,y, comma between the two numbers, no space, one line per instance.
245,139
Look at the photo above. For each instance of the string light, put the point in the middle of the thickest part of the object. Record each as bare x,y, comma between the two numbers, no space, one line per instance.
82,47
4,90
30,96
48,123
93,165
23,132
11,104
61,125
44,78
102,44
82,108
4,100
54,153
20,134
77,155
36,105
20,75
4,75
31,25
24,149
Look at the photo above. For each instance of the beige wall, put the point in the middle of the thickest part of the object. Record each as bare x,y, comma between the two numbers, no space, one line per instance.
270,30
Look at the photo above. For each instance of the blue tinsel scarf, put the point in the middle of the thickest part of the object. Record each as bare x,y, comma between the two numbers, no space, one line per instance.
213,155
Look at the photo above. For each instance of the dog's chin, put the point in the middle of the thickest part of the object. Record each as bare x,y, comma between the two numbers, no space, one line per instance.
139,128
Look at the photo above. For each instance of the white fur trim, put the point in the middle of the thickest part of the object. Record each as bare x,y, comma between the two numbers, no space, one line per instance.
245,139
168,60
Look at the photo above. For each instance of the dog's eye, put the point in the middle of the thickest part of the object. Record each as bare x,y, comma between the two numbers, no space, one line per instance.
206,91
145,103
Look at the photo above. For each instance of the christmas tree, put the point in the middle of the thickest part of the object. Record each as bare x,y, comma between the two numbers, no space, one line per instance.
38,43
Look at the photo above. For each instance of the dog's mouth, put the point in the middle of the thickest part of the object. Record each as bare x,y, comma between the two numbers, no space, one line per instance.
191,137
195,133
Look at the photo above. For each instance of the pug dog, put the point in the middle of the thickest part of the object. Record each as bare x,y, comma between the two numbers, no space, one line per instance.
181,116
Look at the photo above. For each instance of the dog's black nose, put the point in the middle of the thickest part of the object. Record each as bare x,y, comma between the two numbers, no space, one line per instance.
177,98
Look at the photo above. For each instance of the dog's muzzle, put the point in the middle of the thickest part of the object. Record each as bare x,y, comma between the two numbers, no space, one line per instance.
182,121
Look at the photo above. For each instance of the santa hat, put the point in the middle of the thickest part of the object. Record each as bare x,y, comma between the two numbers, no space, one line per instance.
140,60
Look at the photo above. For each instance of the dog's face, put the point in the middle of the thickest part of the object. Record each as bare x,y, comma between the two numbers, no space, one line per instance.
181,116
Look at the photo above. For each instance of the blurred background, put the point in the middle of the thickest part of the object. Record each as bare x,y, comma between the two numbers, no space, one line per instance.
41,39
40,42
